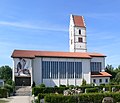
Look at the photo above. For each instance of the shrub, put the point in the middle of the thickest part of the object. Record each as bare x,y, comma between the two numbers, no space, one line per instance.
84,87
55,86
42,85
61,89
117,87
71,86
9,82
62,85
83,82
9,88
37,101
52,98
109,87
44,90
92,90
82,98
40,96
33,85
102,84
3,93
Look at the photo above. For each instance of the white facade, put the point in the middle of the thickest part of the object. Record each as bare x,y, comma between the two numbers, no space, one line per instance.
37,73
28,65
100,80
57,82
76,33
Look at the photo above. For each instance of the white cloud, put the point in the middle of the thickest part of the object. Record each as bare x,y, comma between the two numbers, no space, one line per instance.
101,35
31,26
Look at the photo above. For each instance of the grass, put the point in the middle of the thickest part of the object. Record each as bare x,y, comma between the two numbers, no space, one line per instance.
3,101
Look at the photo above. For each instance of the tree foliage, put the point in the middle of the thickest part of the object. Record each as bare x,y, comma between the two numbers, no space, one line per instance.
84,82
6,73
115,72
110,69
117,78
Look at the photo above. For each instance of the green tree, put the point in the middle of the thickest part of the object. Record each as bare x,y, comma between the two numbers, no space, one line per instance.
117,78
83,82
110,69
117,69
6,73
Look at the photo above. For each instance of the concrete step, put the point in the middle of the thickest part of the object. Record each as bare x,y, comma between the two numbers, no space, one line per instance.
23,91
23,94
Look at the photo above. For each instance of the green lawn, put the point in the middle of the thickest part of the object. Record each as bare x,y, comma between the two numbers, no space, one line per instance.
3,101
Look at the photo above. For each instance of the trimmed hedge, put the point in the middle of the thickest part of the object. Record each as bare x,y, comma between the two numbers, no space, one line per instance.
109,87
59,99
45,90
36,90
41,96
82,98
3,93
92,90
84,87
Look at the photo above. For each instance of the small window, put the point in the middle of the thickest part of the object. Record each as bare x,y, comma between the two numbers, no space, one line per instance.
71,41
94,80
71,33
106,80
100,80
80,40
79,31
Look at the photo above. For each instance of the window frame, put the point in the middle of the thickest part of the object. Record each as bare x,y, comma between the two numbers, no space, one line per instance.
80,39
80,32
100,80
94,80
106,80
96,66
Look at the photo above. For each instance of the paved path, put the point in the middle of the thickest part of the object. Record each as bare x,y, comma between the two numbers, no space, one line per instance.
19,99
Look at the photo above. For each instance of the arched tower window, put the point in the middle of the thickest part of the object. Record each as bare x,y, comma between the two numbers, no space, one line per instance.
79,31
80,39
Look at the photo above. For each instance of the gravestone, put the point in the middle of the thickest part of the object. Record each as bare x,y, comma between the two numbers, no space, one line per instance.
107,100
113,89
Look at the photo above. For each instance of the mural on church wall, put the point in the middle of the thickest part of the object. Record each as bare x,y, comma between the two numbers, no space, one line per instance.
22,67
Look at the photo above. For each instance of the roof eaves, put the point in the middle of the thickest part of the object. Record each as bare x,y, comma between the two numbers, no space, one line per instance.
63,57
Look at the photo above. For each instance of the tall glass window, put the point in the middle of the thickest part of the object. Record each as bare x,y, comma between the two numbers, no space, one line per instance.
70,69
78,69
96,66
46,69
62,69
54,69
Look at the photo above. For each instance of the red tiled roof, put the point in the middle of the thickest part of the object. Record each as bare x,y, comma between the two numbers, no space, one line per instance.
100,74
96,55
78,21
33,54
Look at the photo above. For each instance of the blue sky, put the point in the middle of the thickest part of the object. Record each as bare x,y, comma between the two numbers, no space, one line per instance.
43,25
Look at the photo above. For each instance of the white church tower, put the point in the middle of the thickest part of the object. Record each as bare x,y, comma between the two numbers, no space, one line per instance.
77,34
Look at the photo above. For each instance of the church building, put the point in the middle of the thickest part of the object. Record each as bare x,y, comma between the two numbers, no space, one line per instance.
54,68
